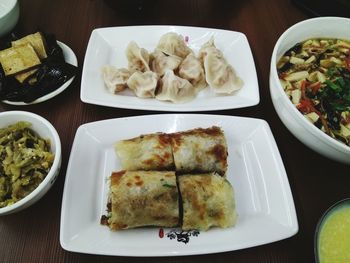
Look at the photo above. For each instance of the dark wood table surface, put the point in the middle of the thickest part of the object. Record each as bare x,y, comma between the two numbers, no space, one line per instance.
316,182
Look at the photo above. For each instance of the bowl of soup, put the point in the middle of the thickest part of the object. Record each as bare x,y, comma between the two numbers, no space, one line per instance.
310,84
332,235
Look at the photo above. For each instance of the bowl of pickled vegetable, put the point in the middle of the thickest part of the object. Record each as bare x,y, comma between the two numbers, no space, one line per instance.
310,84
30,159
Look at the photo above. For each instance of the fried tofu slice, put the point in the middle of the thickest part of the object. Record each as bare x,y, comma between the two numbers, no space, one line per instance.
36,40
18,59
21,77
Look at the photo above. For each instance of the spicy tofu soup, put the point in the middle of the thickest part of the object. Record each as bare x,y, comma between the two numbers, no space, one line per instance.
315,75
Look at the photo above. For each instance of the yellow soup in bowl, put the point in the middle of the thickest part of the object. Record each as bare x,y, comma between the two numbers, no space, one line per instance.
333,234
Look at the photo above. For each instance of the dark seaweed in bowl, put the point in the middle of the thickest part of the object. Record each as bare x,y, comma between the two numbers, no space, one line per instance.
52,73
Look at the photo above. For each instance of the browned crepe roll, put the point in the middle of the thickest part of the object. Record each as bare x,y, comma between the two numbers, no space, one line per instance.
200,150
146,152
143,198
207,201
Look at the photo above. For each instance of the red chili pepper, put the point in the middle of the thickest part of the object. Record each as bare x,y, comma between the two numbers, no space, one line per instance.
306,106
347,63
303,88
346,121
282,75
316,87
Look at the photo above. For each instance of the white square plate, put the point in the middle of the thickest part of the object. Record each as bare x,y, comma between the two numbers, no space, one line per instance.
107,46
264,202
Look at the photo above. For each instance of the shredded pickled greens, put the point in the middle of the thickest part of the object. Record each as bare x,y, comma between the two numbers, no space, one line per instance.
25,161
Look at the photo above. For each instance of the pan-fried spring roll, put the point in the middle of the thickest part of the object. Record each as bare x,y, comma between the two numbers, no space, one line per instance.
143,198
200,150
207,201
146,152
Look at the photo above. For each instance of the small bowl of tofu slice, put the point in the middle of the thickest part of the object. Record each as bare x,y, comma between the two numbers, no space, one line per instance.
303,127
23,58
9,15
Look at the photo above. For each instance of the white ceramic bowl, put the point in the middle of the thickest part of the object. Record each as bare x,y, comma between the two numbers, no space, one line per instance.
310,135
45,130
9,14
70,58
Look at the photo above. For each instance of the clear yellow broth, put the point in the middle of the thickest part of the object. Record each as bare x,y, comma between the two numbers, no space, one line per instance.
334,237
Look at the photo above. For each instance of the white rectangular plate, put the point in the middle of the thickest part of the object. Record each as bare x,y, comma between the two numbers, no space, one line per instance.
263,197
107,46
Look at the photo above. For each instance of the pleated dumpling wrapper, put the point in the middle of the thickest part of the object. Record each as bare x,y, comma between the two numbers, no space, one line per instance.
175,89
207,200
172,43
115,78
143,198
219,74
146,152
138,58
200,150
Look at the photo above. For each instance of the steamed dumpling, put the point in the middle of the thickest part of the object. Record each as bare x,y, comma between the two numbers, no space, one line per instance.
205,48
175,89
219,74
143,84
192,70
160,62
173,44
138,58
114,78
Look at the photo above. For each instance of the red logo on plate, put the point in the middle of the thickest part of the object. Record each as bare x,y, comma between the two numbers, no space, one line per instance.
161,233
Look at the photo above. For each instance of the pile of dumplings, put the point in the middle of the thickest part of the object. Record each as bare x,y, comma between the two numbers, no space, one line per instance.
172,72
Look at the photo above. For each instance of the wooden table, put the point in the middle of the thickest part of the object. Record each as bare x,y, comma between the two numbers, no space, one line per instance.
316,182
